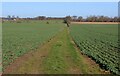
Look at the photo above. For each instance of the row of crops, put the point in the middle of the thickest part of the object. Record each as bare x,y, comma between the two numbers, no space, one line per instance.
19,38
100,42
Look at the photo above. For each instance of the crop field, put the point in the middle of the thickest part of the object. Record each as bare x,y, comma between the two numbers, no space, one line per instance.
57,38
100,42
50,47
20,38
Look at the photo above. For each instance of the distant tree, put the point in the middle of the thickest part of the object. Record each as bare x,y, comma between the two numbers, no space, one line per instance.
115,19
17,17
80,18
41,17
74,18
89,19
9,17
67,20
101,19
13,17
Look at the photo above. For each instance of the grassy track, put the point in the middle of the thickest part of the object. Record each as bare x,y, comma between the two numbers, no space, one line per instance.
58,56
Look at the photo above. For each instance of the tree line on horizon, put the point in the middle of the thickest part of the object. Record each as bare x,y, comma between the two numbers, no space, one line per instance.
94,19
71,18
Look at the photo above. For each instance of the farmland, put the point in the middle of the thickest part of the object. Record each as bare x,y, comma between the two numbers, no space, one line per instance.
36,47
100,42
49,47
19,38
59,38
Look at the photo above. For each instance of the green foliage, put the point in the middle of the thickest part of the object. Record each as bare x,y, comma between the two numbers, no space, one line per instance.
100,42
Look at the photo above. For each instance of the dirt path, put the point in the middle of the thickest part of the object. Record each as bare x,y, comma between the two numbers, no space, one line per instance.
94,22
59,56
